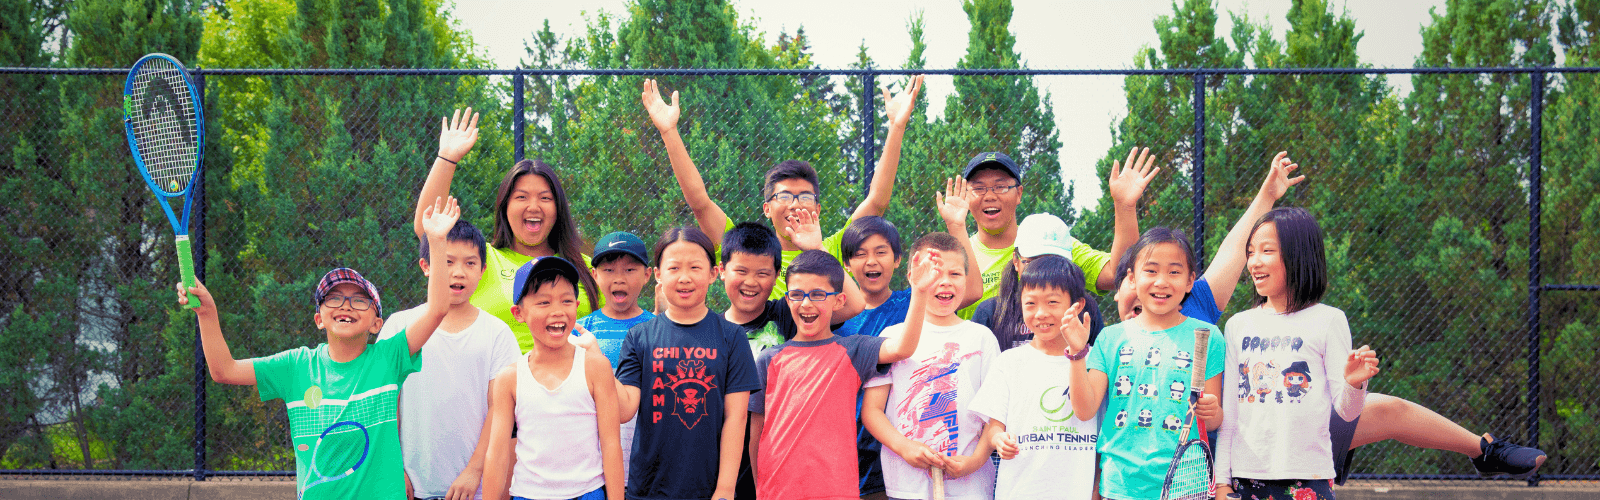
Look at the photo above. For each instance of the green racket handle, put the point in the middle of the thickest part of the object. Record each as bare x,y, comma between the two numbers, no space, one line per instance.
186,269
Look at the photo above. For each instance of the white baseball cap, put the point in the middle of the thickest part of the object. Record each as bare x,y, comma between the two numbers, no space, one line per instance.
1041,234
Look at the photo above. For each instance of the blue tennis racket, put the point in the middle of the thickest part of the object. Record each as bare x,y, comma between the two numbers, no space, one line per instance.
339,451
166,132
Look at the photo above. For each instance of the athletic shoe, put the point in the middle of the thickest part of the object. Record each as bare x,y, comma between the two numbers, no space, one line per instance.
1504,458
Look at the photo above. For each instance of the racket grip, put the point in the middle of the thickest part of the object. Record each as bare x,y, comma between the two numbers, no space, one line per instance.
938,483
186,268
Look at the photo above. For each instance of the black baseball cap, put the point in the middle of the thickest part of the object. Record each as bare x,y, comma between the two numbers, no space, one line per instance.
537,266
992,160
621,242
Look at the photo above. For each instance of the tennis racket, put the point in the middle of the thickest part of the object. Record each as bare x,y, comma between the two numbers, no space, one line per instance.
166,132
1189,476
339,451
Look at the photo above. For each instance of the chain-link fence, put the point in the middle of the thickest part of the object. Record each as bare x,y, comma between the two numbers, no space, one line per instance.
1459,234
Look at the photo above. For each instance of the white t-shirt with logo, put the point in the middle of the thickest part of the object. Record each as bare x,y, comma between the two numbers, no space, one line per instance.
1027,391
442,407
929,403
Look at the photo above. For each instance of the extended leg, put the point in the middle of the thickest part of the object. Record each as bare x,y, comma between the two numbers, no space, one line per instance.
1388,417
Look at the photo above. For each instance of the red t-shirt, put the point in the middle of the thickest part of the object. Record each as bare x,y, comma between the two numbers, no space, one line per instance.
808,445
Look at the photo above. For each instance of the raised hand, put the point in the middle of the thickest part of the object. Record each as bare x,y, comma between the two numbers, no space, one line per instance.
926,268
1128,180
1075,328
803,230
207,304
664,116
439,218
457,135
582,338
899,107
953,205
1360,366
1004,444
1277,182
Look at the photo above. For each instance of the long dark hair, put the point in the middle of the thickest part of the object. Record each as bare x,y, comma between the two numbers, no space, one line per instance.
1047,271
1300,247
564,238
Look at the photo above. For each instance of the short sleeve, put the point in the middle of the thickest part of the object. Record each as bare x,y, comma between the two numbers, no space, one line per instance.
1201,303
396,323
1091,261
864,355
834,244
398,349
506,351
631,367
991,401
275,374
758,399
741,363
886,377
1100,354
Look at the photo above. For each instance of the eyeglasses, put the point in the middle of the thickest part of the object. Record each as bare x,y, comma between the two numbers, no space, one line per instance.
817,295
1001,189
357,303
790,198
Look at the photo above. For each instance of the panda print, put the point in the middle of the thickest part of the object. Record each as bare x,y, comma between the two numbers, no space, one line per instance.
1122,419
1124,386
1145,418
1125,356
1147,390
1175,391
1152,358
1170,423
1183,360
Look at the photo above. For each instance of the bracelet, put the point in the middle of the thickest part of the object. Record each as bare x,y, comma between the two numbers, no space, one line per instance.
1080,355
446,159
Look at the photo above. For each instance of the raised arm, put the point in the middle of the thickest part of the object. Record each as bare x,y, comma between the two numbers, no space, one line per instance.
1223,273
899,110
926,268
224,369
456,136
1125,187
806,233
953,207
664,116
1088,387
436,223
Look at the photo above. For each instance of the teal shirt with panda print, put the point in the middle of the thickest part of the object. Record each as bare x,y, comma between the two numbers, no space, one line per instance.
1147,397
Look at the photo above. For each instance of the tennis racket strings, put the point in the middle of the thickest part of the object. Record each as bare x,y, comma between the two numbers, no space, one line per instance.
162,111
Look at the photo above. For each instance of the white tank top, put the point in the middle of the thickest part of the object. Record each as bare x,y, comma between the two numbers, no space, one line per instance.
558,449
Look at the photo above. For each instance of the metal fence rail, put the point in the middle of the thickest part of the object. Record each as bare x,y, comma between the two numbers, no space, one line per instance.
854,120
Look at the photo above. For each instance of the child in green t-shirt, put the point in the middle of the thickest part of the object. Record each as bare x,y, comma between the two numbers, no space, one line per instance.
342,396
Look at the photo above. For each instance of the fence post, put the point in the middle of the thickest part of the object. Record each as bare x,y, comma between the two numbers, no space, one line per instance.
869,126
1535,280
1198,172
518,120
197,233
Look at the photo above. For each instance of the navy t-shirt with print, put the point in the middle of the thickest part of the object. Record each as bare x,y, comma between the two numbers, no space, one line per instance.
682,372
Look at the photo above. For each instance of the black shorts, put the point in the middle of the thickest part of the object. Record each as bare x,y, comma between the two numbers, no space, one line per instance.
1341,433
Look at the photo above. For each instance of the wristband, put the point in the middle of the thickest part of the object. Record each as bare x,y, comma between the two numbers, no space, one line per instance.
446,159
1080,355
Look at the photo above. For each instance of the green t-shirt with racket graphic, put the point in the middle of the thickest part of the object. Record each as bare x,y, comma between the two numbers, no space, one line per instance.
342,416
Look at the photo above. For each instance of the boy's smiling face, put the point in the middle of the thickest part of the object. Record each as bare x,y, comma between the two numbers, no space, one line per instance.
348,321
1043,308
873,264
813,320
463,268
531,211
550,311
748,279
621,279
780,212
950,288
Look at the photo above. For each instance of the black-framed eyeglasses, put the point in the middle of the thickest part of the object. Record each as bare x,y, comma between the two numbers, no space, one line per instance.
1001,189
817,295
356,302
790,198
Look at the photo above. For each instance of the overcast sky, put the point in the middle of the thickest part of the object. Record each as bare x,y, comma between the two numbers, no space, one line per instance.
1071,34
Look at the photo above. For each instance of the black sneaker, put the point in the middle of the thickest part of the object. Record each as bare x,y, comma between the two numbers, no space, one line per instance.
1504,458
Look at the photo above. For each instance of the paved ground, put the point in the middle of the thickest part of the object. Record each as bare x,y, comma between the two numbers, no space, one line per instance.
165,489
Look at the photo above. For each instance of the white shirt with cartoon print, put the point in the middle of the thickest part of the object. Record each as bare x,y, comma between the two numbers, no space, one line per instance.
1283,372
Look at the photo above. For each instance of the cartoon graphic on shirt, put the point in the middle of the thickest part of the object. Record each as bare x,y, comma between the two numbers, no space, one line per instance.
1125,356
1183,360
1145,418
1152,358
1122,419
1260,377
928,413
1147,390
1175,391
1297,343
690,386
1244,382
1170,423
1297,380
1124,386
